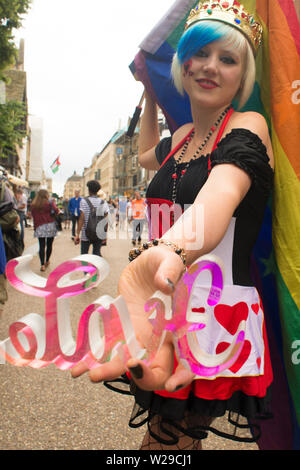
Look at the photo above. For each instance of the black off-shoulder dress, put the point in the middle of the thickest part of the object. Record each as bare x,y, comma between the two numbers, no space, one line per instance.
244,388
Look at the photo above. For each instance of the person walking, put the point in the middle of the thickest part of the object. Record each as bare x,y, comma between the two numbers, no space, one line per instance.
3,289
112,212
66,215
45,230
122,212
102,209
138,208
21,203
74,209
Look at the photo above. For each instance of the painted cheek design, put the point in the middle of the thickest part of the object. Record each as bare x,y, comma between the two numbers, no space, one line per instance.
187,68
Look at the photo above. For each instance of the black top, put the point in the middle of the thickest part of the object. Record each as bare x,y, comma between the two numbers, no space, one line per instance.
244,149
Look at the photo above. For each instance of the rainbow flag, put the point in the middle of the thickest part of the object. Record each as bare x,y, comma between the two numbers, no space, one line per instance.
276,260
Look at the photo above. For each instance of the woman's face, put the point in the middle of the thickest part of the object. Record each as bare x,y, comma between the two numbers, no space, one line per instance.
213,76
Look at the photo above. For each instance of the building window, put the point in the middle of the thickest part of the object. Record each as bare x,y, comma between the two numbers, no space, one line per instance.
98,174
134,162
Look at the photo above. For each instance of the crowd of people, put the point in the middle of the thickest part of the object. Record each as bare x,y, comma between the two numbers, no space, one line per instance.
46,214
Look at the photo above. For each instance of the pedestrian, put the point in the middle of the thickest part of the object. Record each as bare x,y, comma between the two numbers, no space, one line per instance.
66,214
117,211
28,215
45,229
102,210
122,212
112,212
3,290
9,219
21,207
129,213
74,209
222,163
138,214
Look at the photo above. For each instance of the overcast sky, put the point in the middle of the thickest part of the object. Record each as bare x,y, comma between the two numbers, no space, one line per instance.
77,56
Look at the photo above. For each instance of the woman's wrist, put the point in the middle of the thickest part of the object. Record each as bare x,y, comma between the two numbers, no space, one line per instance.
158,242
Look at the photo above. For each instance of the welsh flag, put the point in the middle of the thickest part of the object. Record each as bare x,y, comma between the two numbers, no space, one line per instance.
55,165
276,261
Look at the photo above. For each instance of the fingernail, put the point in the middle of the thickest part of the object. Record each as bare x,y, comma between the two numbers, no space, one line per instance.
170,284
178,388
137,371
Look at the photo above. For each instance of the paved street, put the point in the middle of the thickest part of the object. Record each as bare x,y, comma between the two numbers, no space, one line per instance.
47,409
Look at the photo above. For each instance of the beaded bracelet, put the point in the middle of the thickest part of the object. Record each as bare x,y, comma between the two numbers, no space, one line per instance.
137,251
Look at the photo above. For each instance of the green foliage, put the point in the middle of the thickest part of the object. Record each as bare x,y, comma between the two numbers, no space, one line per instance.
13,113
11,12
12,129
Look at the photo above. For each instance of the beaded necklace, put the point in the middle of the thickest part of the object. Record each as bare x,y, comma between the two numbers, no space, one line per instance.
175,176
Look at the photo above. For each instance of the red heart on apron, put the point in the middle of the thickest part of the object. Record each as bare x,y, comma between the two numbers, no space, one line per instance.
255,308
243,356
230,317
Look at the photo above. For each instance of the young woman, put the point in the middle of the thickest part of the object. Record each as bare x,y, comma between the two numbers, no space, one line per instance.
43,211
222,163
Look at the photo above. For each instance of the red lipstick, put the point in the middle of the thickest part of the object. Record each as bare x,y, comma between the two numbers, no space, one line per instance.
207,84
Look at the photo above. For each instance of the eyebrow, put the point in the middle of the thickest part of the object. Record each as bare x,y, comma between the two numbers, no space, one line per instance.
231,52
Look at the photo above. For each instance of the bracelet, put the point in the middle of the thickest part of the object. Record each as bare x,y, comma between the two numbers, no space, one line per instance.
179,251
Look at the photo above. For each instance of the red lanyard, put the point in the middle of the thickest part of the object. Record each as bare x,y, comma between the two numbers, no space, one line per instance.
220,133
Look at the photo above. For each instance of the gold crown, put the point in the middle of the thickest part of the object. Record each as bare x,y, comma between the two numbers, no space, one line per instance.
232,13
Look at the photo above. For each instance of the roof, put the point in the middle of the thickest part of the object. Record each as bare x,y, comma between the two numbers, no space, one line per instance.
75,177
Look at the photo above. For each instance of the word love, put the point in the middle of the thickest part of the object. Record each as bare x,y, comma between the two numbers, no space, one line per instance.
105,328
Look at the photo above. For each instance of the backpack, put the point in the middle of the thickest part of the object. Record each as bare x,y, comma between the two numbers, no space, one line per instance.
8,215
13,243
92,223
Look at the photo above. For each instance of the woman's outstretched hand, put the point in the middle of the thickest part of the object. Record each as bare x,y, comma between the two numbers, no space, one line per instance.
158,268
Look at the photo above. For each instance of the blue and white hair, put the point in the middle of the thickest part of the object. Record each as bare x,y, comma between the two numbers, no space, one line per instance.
204,32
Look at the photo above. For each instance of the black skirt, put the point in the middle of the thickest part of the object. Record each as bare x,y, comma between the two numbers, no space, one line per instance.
193,417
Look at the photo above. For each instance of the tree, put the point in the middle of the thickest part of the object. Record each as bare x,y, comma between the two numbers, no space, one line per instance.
13,113
12,129
10,18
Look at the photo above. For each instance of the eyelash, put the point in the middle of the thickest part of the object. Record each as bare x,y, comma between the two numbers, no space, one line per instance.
226,60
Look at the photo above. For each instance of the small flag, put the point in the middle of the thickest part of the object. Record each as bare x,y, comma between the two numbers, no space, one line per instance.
55,165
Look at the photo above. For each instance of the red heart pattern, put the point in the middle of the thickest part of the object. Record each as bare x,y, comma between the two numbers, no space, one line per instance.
243,356
230,317
255,308
258,362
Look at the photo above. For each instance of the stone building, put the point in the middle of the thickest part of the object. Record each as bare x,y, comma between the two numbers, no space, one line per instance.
72,184
129,175
34,167
103,167
16,90
87,175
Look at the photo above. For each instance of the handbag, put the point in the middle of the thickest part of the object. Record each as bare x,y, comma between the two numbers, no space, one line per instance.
56,217
8,215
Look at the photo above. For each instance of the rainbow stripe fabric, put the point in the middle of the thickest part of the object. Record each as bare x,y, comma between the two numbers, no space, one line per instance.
276,260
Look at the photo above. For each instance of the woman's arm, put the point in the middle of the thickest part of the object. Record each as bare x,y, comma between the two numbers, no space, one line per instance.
149,135
203,225
217,200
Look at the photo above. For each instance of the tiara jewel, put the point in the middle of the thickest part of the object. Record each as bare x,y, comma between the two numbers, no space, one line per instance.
232,13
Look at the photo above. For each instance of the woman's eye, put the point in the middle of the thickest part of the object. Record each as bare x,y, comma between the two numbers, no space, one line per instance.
228,60
201,53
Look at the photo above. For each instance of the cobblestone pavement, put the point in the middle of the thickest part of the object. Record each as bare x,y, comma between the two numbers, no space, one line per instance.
47,409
